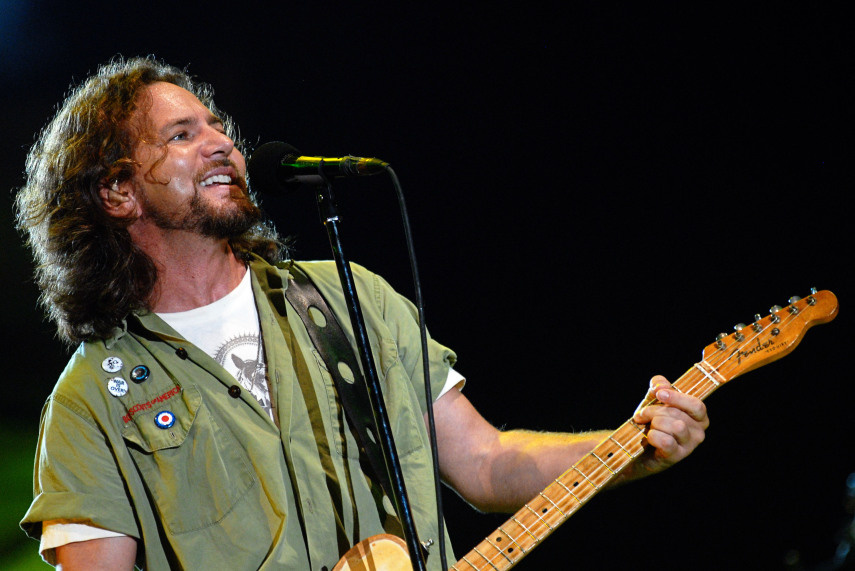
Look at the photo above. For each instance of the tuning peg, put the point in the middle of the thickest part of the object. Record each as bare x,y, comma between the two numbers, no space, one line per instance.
811,300
719,340
792,301
774,309
756,325
738,328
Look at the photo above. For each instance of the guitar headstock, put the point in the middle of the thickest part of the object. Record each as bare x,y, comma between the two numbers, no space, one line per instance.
769,338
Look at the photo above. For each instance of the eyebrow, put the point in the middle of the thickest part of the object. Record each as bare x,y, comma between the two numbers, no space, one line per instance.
189,121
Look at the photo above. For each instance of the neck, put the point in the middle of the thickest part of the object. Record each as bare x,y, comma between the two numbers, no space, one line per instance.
193,271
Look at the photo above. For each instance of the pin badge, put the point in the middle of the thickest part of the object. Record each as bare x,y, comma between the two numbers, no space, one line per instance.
117,386
140,373
112,364
164,419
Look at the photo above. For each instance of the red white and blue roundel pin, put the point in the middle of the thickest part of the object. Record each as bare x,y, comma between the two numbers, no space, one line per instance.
164,419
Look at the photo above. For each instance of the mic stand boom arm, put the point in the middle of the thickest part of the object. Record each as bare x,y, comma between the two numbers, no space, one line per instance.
329,216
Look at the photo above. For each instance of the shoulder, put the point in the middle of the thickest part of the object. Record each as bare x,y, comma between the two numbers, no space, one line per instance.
94,377
89,361
378,299
324,274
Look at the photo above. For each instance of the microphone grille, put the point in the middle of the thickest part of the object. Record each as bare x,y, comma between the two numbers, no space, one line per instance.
263,167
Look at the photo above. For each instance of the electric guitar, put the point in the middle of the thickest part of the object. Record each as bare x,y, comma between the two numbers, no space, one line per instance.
749,347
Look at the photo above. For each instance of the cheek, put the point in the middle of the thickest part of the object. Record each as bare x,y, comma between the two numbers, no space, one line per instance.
239,161
177,174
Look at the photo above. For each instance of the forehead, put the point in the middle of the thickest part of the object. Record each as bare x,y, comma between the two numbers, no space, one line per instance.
164,103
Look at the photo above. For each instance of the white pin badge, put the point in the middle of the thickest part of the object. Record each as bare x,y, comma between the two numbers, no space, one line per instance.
117,386
112,364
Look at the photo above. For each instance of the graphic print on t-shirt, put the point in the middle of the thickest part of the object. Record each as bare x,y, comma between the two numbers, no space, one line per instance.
243,357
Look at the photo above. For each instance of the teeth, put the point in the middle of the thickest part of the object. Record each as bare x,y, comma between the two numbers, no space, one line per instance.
217,179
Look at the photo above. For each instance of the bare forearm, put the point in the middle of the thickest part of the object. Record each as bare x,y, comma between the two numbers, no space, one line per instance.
524,462
500,471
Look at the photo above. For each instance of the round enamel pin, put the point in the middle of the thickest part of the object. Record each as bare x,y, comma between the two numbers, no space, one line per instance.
164,419
140,373
117,386
112,364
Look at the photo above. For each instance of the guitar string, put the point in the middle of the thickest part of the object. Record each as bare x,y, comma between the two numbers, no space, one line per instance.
720,360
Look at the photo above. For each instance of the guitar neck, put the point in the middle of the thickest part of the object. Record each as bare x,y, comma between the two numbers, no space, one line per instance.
748,348
512,541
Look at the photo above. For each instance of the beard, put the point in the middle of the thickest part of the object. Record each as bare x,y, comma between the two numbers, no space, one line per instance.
222,221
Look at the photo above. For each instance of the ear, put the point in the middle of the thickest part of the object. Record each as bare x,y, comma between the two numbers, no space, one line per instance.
118,199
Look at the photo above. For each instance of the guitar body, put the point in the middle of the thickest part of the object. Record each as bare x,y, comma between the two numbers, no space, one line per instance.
377,553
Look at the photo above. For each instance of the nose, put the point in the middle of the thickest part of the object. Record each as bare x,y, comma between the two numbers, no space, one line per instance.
217,142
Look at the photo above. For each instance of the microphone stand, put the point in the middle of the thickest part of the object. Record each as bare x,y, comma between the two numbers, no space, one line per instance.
329,216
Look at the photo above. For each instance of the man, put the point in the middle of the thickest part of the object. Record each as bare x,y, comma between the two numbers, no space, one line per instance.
196,426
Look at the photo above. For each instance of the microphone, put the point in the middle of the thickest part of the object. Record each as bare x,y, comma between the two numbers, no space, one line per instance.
279,166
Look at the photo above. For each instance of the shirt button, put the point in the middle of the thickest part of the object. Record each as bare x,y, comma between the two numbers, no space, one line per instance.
234,391
181,352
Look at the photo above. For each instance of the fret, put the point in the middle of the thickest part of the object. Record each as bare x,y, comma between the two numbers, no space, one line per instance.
497,548
537,515
631,436
603,463
526,529
633,424
545,497
569,491
490,563
612,438
586,477
708,373
509,536
469,563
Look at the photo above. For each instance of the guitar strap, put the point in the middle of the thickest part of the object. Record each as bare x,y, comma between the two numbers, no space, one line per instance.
330,341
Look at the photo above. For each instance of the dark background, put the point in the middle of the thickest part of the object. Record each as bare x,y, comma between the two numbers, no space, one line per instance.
596,191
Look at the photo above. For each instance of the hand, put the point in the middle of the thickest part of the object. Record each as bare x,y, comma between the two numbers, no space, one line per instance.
675,427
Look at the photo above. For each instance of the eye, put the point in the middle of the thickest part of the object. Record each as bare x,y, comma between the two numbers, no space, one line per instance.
181,136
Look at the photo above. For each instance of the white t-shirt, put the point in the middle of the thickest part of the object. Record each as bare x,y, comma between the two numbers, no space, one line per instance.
228,330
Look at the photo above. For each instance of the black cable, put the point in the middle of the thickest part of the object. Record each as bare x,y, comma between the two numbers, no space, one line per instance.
425,364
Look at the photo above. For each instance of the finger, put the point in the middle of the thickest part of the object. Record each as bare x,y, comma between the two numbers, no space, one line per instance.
672,426
665,444
692,406
658,382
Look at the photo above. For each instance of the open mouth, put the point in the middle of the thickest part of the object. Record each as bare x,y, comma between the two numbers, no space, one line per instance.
217,179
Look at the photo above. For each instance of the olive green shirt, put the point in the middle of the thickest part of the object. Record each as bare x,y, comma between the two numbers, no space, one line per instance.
225,487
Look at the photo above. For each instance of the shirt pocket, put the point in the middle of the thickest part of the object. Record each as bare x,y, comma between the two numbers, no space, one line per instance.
195,470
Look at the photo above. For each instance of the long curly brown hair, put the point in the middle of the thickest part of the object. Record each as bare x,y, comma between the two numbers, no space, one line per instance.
90,272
